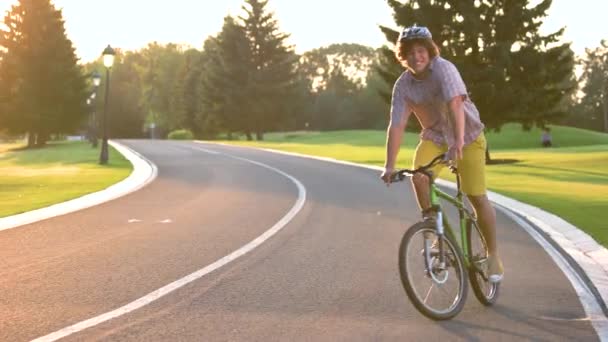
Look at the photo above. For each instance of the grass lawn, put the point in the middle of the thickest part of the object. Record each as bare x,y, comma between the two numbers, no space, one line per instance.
32,179
570,180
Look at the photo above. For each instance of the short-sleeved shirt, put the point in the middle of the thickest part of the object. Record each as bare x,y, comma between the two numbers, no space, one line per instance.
433,94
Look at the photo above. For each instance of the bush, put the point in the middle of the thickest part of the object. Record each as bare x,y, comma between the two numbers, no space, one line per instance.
181,134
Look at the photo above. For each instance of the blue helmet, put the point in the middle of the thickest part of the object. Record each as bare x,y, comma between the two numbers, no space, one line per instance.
415,32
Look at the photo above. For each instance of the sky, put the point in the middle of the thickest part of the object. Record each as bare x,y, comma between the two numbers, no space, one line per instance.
132,24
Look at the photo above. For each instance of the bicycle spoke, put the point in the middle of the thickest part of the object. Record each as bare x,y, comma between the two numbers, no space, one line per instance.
428,293
442,289
483,289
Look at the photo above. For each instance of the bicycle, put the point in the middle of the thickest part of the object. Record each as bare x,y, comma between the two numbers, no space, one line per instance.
441,251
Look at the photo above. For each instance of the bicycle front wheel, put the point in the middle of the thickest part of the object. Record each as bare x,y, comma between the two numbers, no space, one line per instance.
477,249
437,291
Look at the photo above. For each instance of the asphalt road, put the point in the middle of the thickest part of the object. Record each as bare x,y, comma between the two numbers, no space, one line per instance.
330,274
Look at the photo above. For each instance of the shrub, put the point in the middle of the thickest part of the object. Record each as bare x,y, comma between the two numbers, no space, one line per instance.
181,134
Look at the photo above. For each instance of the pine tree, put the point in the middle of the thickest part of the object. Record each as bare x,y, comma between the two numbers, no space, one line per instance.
226,82
512,72
273,76
43,89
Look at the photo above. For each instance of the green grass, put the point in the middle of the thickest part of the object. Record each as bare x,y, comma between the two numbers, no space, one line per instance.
32,179
570,180
512,137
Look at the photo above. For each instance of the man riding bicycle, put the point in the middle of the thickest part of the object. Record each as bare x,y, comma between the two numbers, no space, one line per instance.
431,87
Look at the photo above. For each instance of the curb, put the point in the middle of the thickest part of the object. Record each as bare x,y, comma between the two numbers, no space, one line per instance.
589,258
586,257
143,173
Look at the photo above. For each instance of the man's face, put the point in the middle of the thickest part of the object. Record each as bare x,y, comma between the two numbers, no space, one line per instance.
418,58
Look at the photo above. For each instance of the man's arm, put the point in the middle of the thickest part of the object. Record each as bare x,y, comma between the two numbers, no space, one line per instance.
456,105
399,114
454,92
394,135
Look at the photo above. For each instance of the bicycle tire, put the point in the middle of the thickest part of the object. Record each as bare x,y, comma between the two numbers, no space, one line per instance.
485,291
405,271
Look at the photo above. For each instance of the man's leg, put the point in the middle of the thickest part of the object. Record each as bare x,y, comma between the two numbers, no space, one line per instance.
425,152
486,217
473,182
420,184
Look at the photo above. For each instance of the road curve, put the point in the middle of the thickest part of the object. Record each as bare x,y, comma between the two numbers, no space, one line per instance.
329,274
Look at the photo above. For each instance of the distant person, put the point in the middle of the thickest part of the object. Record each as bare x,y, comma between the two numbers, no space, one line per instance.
431,87
546,139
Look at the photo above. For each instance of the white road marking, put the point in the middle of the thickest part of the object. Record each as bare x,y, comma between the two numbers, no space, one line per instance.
134,221
205,150
154,295
166,221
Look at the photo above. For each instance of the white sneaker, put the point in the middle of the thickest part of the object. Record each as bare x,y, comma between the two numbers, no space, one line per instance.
495,269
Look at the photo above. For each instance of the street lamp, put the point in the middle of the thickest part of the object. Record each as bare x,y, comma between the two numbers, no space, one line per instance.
108,61
96,78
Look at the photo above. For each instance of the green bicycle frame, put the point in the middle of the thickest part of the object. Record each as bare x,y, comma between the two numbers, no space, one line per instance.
463,214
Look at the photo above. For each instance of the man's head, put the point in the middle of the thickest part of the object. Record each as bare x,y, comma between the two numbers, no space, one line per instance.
415,48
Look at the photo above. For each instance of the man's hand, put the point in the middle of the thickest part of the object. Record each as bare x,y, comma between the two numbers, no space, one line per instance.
386,175
456,149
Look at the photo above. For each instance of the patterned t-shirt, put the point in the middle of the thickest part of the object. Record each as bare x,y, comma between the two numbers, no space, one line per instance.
432,96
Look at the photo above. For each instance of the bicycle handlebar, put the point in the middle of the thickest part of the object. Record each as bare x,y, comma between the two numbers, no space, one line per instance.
401,174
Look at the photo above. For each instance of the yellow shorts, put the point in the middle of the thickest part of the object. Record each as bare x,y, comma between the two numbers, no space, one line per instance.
471,168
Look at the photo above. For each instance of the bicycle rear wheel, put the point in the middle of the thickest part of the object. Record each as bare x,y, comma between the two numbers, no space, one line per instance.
438,293
485,291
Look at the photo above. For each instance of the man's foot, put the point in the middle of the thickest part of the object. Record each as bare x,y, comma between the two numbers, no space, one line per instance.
495,269
429,214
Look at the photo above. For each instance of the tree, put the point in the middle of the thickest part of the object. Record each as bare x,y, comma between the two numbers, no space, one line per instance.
335,105
353,61
159,80
591,111
186,101
373,108
126,111
273,74
42,88
513,73
226,81
343,88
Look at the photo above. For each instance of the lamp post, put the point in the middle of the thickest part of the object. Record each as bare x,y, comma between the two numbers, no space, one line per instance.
108,61
92,119
90,124
96,77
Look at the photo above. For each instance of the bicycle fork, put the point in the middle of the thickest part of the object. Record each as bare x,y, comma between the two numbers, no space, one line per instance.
436,270
440,233
439,227
435,259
